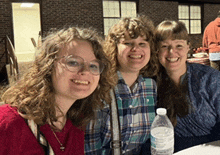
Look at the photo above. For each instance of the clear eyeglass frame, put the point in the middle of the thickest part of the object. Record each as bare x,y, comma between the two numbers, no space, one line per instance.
75,63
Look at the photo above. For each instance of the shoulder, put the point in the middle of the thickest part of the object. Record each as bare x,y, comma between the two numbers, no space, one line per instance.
149,81
7,112
203,72
9,118
203,69
209,27
212,23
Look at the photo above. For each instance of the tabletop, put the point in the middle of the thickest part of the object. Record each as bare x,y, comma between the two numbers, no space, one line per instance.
212,148
203,60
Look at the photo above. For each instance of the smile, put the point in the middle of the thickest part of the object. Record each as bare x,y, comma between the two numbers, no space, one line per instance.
81,82
135,56
172,59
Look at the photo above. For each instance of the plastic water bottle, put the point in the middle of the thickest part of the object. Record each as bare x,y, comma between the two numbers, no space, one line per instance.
162,134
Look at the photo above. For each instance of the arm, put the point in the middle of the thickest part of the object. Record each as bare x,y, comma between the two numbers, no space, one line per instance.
205,39
155,93
98,133
3,139
216,99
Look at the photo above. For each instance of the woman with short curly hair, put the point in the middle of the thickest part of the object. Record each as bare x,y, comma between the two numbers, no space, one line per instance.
130,46
133,27
69,80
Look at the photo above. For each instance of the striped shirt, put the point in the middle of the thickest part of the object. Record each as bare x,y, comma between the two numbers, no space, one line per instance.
136,109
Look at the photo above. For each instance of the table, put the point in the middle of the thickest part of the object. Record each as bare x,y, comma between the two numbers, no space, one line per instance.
212,148
203,60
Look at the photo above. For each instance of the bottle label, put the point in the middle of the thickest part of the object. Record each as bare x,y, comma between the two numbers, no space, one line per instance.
162,138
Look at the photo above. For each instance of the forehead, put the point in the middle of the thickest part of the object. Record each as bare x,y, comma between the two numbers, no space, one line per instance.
127,37
80,48
175,41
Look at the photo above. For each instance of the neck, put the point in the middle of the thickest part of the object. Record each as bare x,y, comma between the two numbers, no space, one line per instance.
130,77
63,105
176,76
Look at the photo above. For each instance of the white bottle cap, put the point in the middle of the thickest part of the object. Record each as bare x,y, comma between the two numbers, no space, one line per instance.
161,111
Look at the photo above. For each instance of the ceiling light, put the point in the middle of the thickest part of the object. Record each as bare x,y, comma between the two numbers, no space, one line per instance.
29,5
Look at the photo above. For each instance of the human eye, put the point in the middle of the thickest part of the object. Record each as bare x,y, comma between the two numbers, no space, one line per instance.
72,62
142,44
179,46
94,66
164,46
127,43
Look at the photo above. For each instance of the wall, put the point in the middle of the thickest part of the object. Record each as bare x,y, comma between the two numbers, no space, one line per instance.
210,13
54,14
159,10
5,18
61,13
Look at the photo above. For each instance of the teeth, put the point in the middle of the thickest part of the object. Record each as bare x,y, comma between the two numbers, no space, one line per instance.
135,56
172,59
81,82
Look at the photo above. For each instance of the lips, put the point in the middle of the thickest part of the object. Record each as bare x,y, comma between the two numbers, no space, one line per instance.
172,59
83,82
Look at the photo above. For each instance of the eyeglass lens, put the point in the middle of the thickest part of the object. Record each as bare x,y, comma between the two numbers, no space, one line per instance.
75,63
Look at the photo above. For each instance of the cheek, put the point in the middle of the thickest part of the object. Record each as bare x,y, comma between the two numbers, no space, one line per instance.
96,82
122,50
59,75
119,53
97,79
148,52
184,53
161,56
119,58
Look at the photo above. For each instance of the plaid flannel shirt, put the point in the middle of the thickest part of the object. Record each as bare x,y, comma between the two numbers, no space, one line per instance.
136,113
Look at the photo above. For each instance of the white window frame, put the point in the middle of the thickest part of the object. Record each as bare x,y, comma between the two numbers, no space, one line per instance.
114,10
191,15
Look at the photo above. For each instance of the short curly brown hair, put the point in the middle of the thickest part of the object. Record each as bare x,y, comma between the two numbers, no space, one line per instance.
135,27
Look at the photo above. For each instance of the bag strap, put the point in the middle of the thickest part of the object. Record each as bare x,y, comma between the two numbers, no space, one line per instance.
116,143
40,137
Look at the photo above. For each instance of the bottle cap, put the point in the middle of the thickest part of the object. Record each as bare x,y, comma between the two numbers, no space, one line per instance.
161,111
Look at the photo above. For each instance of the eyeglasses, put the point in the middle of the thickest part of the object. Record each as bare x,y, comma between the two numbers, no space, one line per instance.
75,63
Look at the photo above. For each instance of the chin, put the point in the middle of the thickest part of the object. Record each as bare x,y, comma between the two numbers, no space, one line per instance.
82,95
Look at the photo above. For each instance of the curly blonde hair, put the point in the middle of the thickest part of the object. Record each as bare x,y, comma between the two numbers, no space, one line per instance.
33,95
135,27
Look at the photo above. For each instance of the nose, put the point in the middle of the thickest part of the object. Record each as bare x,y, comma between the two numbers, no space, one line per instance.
171,50
84,69
134,48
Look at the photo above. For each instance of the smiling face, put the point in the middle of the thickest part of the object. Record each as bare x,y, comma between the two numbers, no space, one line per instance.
74,85
133,54
173,55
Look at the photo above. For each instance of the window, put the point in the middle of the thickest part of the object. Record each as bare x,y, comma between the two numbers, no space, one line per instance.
113,10
191,16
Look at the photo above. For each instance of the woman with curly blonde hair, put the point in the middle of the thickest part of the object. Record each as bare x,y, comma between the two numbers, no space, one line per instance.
45,112
130,46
